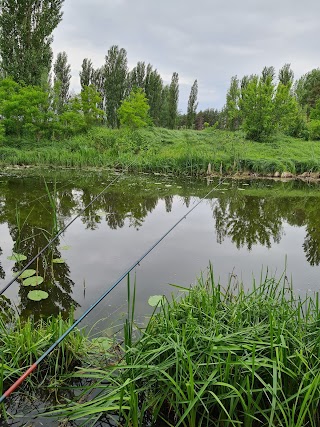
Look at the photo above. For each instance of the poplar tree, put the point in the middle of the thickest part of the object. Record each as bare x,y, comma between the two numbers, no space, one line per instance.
268,73
232,110
153,90
286,75
115,83
192,105
173,100
98,79
137,76
164,112
26,28
62,77
86,73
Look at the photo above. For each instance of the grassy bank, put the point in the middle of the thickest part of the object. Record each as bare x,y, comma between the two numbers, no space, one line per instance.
215,357
168,151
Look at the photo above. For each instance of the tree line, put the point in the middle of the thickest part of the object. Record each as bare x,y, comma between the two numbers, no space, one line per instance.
262,105
35,97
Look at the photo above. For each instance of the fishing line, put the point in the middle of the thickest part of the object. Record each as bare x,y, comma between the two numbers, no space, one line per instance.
67,332
61,232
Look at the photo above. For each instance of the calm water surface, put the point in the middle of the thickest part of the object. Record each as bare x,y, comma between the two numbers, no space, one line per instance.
244,228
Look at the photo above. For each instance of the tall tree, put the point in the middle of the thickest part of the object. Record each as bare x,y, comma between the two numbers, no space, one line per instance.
307,89
173,100
153,89
98,79
137,76
164,112
232,111
86,73
258,108
115,83
26,28
192,104
62,77
286,75
268,73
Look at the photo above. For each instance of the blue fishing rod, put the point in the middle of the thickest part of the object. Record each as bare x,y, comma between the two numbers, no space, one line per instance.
33,367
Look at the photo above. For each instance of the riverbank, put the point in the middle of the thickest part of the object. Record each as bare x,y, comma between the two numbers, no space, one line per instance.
185,152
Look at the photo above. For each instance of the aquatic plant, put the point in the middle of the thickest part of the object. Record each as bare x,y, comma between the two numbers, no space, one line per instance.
216,356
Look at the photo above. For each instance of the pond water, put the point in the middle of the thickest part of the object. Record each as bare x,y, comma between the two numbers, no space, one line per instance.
243,228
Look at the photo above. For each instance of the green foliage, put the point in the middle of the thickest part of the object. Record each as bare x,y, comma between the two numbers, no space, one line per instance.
164,113
133,112
267,108
286,75
137,77
192,105
87,103
26,28
173,99
86,73
153,149
231,110
257,108
153,90
22,343
62,77
115,82
32,112
24,110
313,128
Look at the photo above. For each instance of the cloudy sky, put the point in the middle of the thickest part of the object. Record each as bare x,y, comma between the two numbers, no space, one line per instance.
208,40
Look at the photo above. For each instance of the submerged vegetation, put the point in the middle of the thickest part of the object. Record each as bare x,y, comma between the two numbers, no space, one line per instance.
216,356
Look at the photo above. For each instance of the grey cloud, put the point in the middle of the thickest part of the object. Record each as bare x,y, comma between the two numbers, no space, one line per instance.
209,40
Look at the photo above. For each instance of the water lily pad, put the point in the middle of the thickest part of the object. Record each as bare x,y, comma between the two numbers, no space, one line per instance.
58,261
155,300
33,281
25,274
103,342
37,295
17,257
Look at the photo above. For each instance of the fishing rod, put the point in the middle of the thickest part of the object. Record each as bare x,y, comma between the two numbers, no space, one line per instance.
60,232
33,367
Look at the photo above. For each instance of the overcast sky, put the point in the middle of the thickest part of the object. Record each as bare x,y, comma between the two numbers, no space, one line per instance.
208,40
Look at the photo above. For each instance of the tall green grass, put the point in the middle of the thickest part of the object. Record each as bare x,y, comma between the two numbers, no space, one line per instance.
215,357
185,152
23,342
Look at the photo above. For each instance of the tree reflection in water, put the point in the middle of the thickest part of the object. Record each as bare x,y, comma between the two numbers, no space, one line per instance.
252,217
